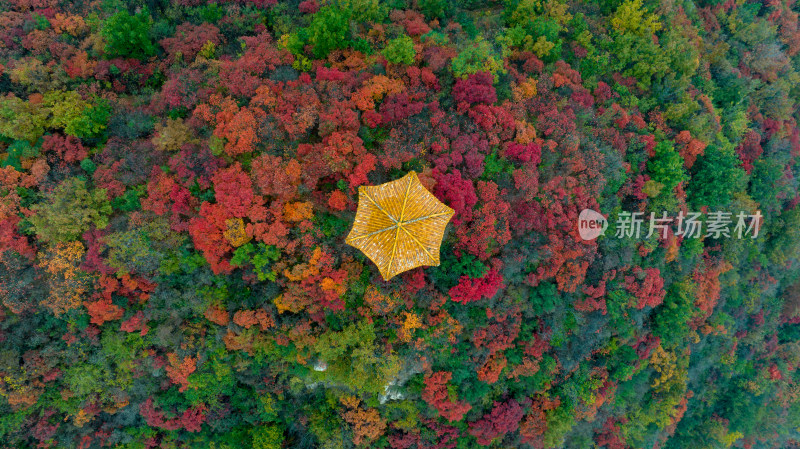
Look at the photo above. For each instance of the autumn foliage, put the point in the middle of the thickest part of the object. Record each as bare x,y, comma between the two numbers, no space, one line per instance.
178,179
436,394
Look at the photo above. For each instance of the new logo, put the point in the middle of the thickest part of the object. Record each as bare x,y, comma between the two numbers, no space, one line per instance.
591,224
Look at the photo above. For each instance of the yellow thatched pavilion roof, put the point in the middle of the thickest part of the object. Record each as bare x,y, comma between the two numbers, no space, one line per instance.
399,225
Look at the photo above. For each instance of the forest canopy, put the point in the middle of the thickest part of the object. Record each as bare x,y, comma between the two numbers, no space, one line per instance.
178,177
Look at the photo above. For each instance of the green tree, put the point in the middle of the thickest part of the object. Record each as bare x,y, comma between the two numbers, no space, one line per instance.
142,248
21,120
784,241
477,57
631,44
666,167
128,36
267,437
329,30
630,17
539,35
354,359
400,50
766,185
637,56
622,361
716,177
364,11
260,255
435,9
76,116
671,317
19,150
559,422
69,210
